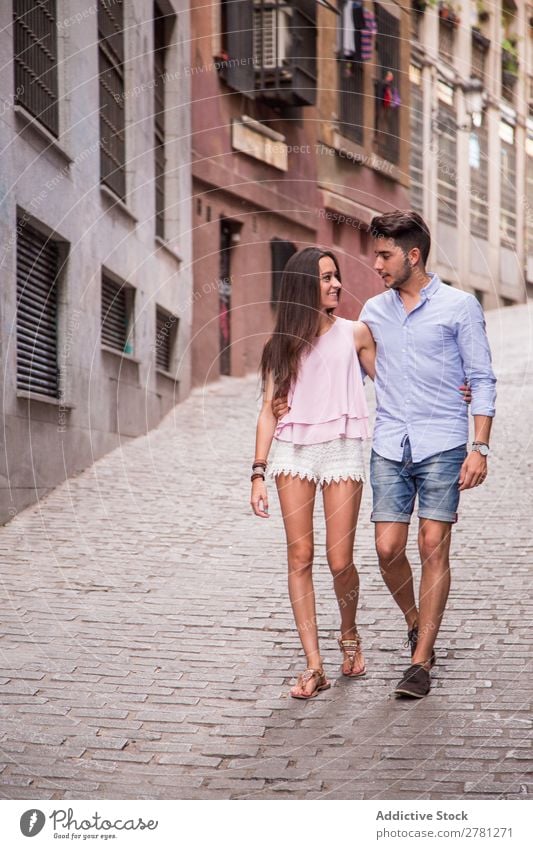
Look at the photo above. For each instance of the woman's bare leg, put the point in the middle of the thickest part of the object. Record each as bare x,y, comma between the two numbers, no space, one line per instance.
297,500
341,508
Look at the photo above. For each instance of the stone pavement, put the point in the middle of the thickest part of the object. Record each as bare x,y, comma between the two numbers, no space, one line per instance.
147,641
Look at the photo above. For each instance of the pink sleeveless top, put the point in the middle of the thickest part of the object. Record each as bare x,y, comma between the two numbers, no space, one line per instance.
327,401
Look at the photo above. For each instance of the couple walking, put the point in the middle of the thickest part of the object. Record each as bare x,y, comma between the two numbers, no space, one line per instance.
419,341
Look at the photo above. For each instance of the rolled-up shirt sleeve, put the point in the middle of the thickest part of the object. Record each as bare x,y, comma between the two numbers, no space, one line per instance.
475,353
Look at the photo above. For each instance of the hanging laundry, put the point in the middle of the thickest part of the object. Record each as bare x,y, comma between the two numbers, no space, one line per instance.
353,23
367,35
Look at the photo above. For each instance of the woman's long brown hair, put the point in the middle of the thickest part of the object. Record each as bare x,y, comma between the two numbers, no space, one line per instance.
297,318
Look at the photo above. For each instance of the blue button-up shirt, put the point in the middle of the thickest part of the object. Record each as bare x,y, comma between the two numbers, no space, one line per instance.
422,358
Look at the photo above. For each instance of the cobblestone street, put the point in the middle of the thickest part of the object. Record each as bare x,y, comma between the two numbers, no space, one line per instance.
147,641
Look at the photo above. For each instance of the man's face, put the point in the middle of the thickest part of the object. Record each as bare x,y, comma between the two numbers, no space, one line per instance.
391,263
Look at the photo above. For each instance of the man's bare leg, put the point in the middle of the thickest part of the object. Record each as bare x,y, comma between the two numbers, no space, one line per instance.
391,539
434,545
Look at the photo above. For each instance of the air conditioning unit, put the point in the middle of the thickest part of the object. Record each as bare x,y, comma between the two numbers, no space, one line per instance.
272,35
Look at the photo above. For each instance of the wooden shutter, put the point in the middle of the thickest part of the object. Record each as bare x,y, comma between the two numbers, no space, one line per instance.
35,41
281,251
115,318
303,52
111,84
238,71
37,268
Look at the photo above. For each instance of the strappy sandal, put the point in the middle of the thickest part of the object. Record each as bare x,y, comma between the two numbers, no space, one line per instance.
322,683
350,649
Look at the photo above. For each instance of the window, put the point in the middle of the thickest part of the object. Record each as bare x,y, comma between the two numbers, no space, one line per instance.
159,119
529,195
281,251
447,156
111,84
166,329
37,296
350,81
480,46
117,315
446,39
479,179
416,165
478,294
387,86
269,49
507,183
35,40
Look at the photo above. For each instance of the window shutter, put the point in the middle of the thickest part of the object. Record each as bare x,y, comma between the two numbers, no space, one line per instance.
37,268
114,315
35,41
159,120
238,71
303,50
111,81
165,332
281,252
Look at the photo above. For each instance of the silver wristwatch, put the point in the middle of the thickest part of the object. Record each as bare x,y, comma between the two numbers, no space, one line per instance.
482,447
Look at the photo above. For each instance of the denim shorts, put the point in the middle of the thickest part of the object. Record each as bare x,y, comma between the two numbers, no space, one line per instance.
395,486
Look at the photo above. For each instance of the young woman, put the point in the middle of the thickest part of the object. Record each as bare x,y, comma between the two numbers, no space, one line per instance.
314,358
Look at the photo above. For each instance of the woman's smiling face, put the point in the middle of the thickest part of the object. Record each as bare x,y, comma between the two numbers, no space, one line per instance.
330,285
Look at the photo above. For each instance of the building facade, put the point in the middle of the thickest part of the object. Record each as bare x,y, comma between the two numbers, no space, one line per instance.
363,143
472,142
95,222
283,159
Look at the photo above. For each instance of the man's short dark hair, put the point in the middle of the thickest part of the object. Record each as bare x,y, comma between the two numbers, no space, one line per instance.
406,228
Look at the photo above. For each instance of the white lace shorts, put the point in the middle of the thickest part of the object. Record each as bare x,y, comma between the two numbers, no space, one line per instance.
324,462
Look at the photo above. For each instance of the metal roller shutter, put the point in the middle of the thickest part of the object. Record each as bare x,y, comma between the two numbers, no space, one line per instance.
37,268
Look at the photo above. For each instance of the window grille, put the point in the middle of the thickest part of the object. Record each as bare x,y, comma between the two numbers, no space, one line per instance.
480,45
387,121
508,192
479,177
35,44
447,164
117,307
37,270
529,196
416,165
446,40
350,85
159,119
111,84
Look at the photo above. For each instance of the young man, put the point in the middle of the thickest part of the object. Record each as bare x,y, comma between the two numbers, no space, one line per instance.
429,337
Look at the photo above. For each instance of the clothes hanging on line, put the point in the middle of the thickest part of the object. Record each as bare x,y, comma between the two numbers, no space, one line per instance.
353,22
368,34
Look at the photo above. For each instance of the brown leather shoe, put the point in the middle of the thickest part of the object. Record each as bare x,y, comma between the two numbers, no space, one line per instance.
416,682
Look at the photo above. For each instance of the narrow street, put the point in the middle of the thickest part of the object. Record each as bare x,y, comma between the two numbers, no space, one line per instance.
147,642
